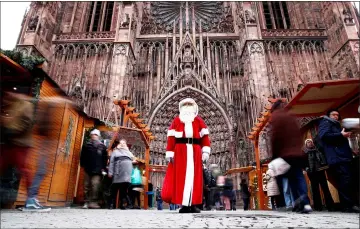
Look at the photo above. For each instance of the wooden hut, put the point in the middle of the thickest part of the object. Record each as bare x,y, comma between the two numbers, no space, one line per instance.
63,145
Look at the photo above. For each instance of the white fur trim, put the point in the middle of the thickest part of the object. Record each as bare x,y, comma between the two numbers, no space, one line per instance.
169,154
188,130
189,100
203,132
189,176
206,149
176,134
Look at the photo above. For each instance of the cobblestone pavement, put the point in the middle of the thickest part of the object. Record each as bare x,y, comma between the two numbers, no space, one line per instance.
79,218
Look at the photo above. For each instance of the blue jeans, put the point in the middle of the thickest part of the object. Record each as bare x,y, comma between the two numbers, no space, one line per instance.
288,196
33,190
172,207
298,185
159,205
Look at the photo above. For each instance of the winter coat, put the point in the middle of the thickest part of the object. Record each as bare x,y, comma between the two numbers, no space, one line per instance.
93,157
121,166
316,160
271,186
286,140
16,128
244,191
334,144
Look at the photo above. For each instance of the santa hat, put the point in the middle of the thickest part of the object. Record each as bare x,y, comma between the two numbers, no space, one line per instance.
189,100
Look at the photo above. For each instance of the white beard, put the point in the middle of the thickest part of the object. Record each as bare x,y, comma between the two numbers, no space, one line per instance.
187,114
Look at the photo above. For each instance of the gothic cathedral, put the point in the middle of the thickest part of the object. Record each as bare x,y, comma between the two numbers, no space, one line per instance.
229,56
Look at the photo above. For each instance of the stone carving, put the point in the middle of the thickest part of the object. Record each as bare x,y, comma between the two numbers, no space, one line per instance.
293,33
126,21
109,35
348,18
256,47
159,17
120,49
250,17
33,23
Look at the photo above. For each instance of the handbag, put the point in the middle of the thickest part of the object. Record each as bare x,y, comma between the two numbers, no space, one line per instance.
136,178
279,166
168,184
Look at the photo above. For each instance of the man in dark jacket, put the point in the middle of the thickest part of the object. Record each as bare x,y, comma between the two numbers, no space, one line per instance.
93,159
286,144
316,173
209,182
339,155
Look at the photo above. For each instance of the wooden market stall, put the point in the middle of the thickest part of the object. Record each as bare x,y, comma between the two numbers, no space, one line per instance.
136,133
312,101
62,147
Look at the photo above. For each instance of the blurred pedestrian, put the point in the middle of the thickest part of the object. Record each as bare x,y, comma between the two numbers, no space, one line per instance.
44,122
17,119
286,143
245,194
93,159
338,153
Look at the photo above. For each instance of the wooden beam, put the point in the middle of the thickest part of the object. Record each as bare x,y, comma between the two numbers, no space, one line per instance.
130,109
135,115
124,102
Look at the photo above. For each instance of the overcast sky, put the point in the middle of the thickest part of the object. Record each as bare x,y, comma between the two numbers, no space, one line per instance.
12,14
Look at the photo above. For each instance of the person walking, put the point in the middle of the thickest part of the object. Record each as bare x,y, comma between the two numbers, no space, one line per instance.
44,121
286,143
245,194
120,170
17,119
272,188
338,153
94,160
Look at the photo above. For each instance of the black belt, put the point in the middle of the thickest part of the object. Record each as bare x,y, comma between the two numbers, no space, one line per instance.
194,141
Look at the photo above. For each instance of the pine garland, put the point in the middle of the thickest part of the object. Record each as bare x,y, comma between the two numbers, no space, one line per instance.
28,62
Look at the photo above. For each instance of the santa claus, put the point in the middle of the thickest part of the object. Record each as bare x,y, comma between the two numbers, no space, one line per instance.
188,146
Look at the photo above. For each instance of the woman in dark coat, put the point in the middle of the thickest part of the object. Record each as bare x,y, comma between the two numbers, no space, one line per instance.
245,194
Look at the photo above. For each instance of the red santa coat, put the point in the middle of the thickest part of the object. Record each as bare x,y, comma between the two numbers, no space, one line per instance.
188,166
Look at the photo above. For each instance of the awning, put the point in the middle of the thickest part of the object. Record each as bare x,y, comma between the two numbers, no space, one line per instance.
10,70
133,136
318,97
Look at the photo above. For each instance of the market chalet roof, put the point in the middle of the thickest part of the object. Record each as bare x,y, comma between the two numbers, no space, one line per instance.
318,97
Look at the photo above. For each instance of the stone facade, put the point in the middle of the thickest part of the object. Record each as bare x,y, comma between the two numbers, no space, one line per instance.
156,53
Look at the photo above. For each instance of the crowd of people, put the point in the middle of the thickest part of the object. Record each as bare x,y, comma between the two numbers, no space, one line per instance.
331,152
121,172
115,175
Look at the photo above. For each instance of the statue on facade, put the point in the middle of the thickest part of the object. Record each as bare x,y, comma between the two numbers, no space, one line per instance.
33,23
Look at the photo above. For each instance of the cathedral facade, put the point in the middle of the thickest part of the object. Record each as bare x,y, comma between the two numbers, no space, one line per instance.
229,56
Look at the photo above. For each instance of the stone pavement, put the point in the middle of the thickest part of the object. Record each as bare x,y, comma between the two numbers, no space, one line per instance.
79,218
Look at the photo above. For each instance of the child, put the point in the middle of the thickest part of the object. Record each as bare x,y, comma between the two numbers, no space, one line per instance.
272,187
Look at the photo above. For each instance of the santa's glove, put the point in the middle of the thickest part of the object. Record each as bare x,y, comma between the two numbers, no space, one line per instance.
205,157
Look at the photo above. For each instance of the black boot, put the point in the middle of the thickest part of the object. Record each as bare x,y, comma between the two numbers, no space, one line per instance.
194,209
185,209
